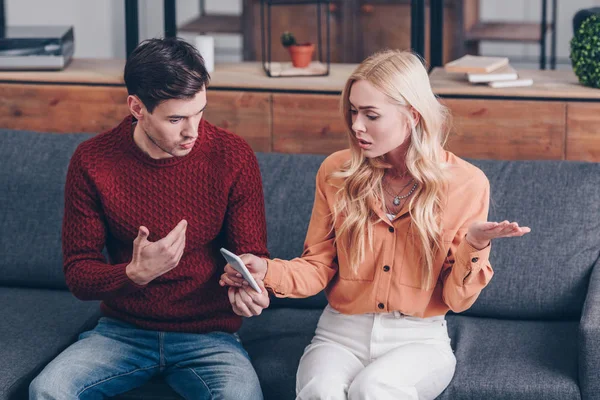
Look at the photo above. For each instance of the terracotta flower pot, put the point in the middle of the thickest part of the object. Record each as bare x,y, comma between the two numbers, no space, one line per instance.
301,54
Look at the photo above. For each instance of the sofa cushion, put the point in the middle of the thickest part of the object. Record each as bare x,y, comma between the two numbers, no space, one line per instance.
36,325
289,188
496,359
32,183
503,359
275,341
543,275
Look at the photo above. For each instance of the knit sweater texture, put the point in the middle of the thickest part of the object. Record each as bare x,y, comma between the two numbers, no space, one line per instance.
113,188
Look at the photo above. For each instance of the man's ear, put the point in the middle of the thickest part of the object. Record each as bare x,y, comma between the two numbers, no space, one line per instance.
136,107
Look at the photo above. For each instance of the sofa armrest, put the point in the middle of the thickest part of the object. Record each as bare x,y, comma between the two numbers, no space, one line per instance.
589,338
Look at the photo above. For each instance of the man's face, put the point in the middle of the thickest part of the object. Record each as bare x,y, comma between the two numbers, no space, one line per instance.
171,129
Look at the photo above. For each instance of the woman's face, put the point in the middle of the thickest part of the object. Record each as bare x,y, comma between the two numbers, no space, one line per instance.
378,125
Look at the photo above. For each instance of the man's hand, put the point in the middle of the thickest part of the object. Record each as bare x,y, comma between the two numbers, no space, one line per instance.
480,233
256,265
153,259
247,302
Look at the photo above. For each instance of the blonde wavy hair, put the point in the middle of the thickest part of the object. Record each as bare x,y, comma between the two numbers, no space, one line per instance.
402,77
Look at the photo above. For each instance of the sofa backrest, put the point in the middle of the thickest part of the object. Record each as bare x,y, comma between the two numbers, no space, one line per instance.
543,275
32,180
289,187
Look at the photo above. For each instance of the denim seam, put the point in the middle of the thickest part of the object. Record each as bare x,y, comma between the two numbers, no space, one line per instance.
202,380
113,377
161,342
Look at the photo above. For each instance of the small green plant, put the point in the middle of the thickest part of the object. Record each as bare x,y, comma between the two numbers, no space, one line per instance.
288,39
585,52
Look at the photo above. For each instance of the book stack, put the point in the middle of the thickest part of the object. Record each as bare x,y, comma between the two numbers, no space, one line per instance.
495,72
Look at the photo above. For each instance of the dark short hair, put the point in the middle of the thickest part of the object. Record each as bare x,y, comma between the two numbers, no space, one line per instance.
163,69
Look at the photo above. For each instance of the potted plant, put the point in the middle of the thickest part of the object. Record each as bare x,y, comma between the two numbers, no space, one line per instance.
301,54
585,56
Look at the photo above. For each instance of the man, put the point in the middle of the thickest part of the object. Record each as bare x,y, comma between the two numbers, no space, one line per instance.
162,192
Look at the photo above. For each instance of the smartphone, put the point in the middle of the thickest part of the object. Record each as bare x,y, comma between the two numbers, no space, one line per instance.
240,267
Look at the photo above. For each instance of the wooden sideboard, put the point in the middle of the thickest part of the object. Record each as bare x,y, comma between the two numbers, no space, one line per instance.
556,118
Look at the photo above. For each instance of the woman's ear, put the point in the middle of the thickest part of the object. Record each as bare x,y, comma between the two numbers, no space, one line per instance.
416,117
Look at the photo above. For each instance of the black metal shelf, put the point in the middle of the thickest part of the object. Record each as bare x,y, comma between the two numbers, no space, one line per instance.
170,24
132,36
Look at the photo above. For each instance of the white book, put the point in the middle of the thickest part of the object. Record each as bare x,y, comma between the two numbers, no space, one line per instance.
505,73
514,83
476,64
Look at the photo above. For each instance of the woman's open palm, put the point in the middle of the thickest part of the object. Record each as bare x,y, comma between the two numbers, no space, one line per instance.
482,232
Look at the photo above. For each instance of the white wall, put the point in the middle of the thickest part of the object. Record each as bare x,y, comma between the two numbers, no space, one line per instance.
100,24
531,10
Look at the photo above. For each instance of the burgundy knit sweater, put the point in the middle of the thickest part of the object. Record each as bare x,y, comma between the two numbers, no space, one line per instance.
113,188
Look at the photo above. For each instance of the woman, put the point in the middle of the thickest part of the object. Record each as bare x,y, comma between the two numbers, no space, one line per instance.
398,236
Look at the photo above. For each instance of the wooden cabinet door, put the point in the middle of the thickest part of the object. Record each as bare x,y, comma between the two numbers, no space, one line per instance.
62,108
247,114
507,129
307,123
302,21
583,132
385,24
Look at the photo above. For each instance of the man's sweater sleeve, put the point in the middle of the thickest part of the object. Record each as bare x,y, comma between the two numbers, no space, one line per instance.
245,224
87,273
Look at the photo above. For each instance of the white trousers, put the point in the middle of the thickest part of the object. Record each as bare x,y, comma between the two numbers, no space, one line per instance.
376,356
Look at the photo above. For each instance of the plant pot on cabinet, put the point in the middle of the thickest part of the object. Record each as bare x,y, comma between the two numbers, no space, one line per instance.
301,54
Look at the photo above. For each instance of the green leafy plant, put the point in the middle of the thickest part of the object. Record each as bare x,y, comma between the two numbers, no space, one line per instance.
288,39
585,52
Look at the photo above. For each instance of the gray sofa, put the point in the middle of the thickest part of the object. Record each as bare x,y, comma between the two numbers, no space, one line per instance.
533,334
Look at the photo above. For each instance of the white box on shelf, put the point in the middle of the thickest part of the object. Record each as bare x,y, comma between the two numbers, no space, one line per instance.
205,45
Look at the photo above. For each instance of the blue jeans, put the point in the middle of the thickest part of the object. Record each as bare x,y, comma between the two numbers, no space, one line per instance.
116,357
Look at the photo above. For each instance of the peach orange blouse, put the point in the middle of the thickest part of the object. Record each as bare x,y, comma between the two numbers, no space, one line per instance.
389,279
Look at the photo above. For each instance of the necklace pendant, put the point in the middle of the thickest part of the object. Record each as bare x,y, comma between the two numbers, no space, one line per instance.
396,201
